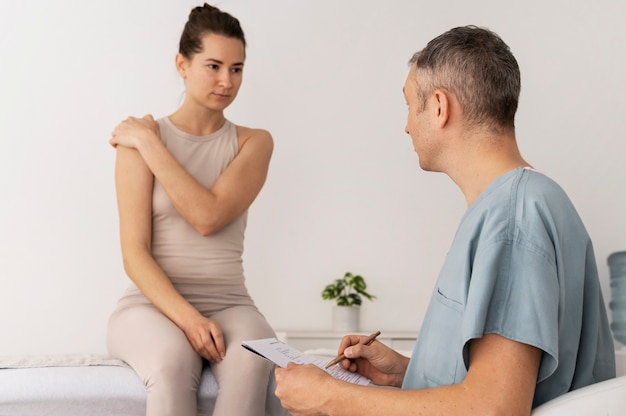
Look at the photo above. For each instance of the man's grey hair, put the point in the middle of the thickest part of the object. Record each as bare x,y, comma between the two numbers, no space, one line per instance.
477,67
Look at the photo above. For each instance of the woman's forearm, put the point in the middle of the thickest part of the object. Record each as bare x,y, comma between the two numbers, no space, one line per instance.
193,201
157,288
208,210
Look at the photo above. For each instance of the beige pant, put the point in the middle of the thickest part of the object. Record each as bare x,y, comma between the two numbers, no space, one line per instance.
160,353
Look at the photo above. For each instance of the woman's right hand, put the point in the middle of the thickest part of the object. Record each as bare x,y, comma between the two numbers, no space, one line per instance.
206,338
378,362
133,130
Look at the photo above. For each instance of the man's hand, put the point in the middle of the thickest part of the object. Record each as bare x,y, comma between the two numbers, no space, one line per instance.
376,361
303,389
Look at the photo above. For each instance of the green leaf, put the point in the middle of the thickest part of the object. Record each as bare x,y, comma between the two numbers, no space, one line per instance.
348,290
354,299
359,283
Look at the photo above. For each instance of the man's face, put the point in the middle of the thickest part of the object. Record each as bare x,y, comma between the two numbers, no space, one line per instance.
418,124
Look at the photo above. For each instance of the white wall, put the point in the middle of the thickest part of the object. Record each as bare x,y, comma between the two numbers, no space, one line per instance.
345,192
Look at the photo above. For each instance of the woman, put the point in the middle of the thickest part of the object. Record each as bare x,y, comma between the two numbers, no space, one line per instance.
184,184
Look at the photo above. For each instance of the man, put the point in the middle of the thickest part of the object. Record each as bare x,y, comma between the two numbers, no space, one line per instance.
517,316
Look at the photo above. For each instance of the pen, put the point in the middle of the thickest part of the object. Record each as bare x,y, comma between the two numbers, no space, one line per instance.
366,341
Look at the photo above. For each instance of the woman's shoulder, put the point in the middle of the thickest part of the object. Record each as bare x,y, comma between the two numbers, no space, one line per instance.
243,131
260,137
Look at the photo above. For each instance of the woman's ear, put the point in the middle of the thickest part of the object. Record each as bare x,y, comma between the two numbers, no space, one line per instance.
181,65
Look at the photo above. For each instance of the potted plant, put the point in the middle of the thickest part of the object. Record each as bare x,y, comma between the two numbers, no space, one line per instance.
347,293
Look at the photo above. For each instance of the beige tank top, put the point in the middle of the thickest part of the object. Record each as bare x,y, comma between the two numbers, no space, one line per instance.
184,255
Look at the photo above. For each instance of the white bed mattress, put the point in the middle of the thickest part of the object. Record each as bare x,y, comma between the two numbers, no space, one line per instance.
92,390
69,391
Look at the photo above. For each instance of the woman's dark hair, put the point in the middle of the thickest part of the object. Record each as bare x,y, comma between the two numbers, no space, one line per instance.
207,19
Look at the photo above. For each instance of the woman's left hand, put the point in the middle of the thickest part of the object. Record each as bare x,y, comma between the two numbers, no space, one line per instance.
130,132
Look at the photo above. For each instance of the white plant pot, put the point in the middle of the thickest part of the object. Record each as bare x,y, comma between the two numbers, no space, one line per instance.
346,318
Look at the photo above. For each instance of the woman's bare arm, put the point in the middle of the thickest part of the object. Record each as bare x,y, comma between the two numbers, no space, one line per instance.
207,210
134,183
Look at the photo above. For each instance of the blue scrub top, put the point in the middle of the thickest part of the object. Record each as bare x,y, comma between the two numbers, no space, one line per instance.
521,266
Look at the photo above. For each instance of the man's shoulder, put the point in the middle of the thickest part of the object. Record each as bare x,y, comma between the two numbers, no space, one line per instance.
540,184
526,207
525,191
541,194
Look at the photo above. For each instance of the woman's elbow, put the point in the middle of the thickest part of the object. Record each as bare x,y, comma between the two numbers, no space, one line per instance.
210,224
130,258
205,231
208,228
133,256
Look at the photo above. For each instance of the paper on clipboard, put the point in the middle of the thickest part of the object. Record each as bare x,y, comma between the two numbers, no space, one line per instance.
281,354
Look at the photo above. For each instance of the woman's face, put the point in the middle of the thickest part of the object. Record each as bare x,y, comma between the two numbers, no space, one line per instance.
213,76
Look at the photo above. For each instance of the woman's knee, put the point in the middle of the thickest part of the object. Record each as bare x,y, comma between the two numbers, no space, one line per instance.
244,367
171,375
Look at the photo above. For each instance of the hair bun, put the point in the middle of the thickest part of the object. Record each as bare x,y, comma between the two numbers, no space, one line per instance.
205,8
207,19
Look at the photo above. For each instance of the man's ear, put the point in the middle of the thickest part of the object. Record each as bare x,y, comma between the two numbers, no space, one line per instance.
181,65
442,107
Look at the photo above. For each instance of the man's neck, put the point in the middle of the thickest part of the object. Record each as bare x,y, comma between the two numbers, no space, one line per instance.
481,160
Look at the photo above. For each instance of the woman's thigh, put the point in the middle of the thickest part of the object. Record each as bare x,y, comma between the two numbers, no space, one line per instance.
149,342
